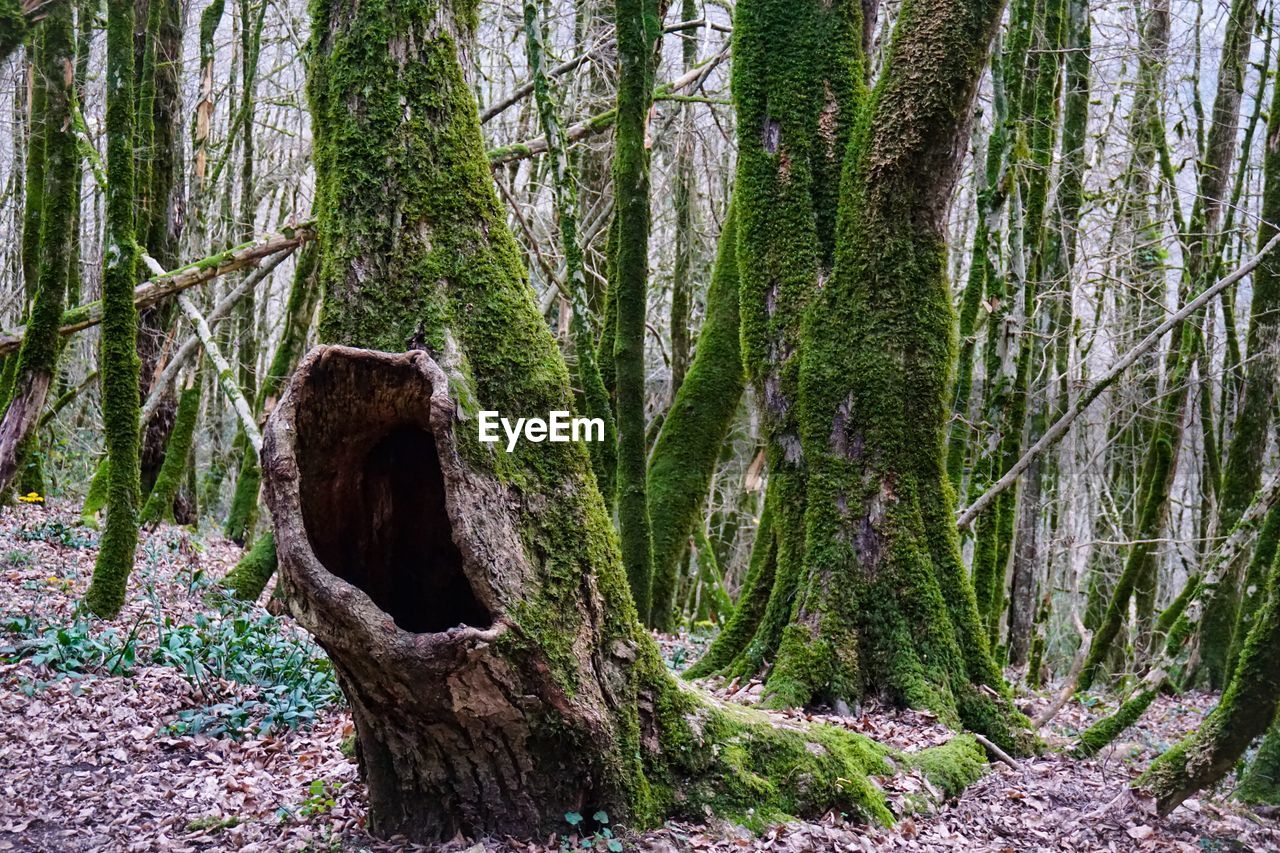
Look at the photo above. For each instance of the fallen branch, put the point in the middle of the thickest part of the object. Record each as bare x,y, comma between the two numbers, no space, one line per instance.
189,347
1059,428
994,751
226,378
150,292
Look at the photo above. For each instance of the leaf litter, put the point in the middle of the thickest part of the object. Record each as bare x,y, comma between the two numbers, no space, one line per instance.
107,744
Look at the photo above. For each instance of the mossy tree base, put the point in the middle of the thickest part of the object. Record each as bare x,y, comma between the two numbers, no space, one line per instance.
251,574
469,718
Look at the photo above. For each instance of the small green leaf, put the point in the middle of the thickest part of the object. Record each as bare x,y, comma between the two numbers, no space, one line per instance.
601,816
572,818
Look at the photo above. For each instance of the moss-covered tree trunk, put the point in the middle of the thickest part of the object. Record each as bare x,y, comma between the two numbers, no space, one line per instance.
797,78
684,197
1247,708
160,218
693,433
242,516
639,24
119,358
1242,474
474,601
885,607
37,359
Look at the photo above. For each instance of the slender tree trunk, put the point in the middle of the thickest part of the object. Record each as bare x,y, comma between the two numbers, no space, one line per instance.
38,358
639,25
688,447
1242,474
119,359
685,198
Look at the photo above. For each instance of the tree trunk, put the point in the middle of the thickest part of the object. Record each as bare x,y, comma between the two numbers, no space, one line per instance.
473,601
1247,708
638,23
38,358
119,357
1242,474
693,433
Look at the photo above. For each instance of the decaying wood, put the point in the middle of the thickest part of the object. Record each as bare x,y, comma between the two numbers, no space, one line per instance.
404,563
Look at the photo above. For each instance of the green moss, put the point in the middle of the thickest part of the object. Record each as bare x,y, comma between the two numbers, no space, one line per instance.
250,575
752,600
13,27
405,197
639,27
1171,614
1035,661
119,360
886,606
1260,784
684,457
159,504
953,766
96,496
1103,732
242,517
1247,708
1254,586
46,258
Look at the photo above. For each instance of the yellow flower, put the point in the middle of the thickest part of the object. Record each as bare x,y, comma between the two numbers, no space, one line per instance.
31,498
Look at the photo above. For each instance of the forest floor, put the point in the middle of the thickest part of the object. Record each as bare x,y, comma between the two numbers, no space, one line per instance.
193,723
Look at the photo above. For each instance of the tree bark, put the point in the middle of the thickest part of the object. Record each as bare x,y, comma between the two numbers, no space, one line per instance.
473,601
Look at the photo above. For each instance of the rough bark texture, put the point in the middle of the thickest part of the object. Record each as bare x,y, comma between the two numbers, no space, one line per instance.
1247,708
797,75
479,708
38,357
886,607
473,601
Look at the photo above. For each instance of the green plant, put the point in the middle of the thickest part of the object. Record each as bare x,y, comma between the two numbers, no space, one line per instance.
58,533
321,798
213,823
600,838
73,649
293,679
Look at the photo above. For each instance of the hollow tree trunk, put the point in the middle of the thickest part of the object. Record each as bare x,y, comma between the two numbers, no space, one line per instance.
473,601
495,686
